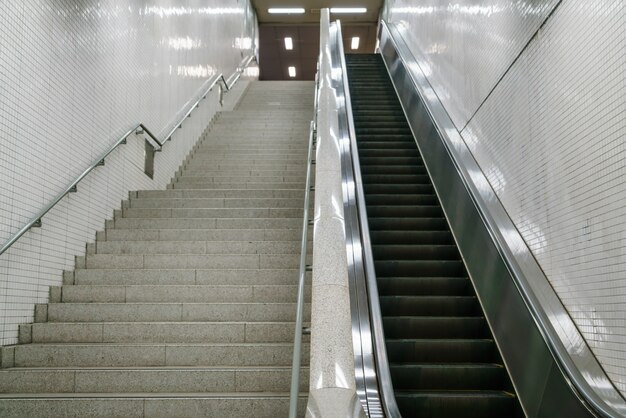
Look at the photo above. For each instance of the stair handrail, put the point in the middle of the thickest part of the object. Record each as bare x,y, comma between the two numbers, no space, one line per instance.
378,388
299,331
139,129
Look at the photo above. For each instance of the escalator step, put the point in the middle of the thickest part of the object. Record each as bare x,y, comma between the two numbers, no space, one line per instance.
395,178
441,350
401,199
411,237
430,306
448,377
420,268
466,404
435,327
431,286
404,211
365,138
407,224
415,252
408,144
426,189
390,160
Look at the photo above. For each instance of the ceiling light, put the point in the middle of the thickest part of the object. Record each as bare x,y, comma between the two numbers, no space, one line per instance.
285,10
355,42
288,43
348,10
292,71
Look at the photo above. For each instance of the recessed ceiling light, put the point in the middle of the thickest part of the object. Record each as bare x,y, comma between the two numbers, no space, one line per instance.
355,42
288,43
285,10
338,10
292,71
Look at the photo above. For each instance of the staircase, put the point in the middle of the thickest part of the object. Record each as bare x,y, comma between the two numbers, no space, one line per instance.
185,305
442,356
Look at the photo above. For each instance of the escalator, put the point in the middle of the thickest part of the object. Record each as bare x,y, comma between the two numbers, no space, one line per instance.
442,357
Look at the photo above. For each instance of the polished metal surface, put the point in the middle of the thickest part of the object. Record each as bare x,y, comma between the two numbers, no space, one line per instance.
551,366
151,141
297,339
376,383
371,365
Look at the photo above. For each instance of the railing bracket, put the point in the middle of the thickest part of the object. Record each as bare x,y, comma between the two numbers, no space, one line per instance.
100,163
37,224
73,189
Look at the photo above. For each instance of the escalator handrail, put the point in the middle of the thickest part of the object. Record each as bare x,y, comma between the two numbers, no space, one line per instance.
383,374
384,396
593,394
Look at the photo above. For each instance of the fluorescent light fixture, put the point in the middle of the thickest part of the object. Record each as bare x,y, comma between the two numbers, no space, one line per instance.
343,10
288,43
355,42
285,10
292,71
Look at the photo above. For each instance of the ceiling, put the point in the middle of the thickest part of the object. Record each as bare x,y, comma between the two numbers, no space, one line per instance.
274,59
312,7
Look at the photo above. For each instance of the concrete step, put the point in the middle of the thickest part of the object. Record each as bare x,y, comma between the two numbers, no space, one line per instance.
138,380
221,194
252,186
153,355
209,223
202,235
250,160
191,261
178,293
195,247
165,312
245,172
157,332
255,153
258,405
208,146
187,213
182,277
235,164
188,179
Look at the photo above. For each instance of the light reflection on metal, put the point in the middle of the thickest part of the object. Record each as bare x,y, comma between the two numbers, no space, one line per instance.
367,350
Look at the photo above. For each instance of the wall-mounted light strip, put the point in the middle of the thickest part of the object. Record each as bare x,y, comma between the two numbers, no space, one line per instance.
286,10
355,43
288,43
345,10
292,71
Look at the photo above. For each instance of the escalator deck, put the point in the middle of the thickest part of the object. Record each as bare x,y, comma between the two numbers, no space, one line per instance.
442,357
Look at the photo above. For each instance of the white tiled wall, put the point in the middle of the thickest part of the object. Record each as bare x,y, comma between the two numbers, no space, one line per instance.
465,46
73,76
550,137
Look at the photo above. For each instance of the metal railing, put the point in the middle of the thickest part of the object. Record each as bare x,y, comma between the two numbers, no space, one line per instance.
138,129
299,331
